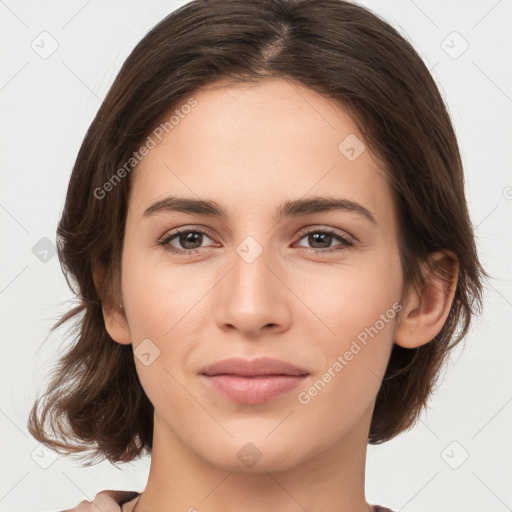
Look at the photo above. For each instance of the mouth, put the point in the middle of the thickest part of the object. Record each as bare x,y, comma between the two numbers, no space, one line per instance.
253,382
262,366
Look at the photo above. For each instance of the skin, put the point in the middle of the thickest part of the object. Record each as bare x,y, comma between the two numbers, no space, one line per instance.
249,148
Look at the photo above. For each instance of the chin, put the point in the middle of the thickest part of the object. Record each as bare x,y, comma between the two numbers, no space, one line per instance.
255,454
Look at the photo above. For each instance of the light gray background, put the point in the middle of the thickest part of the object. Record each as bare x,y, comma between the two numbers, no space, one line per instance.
46,106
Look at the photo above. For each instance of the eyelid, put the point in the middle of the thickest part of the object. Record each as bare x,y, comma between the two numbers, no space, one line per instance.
346,239
303,231
165,238
327,229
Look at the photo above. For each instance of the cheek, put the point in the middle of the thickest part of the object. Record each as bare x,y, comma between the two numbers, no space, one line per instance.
354,361
351,297
168,305
160,303
159,296
358,307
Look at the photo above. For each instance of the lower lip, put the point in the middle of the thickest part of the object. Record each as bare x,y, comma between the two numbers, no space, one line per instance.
253,390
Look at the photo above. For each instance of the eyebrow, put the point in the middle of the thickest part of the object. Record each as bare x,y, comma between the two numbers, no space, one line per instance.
293,208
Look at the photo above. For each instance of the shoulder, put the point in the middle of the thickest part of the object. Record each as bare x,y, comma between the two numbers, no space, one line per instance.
128,504
108,501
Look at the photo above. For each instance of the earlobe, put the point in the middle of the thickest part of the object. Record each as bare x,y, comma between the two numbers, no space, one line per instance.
426,311
113,314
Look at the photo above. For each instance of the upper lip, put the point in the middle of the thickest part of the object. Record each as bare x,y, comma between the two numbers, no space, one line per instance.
253,367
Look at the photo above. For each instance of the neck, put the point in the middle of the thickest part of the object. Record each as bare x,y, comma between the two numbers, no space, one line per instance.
329,481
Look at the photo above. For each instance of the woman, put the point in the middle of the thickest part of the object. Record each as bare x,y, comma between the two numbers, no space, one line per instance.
267,225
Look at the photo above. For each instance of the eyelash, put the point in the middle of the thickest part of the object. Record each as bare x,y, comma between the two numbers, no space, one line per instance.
345,241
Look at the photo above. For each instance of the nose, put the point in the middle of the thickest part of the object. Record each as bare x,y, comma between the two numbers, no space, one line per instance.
253,297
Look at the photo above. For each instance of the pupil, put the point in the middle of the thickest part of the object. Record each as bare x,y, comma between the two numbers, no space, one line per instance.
320,237
190,238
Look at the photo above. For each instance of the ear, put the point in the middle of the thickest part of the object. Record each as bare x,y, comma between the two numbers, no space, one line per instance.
113,313
426,311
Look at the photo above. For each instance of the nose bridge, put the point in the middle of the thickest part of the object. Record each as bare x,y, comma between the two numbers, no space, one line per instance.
251,295
251,276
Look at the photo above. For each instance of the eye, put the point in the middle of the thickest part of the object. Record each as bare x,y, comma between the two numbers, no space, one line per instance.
189,239
323,239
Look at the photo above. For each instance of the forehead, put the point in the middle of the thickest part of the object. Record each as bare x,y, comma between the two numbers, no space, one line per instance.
253,146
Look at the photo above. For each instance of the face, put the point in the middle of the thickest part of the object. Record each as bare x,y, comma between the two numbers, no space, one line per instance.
276,276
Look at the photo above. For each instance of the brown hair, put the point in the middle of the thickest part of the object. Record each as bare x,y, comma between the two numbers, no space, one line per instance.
342,51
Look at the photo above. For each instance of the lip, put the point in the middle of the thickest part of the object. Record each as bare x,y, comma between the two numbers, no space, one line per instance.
253,381
252,368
